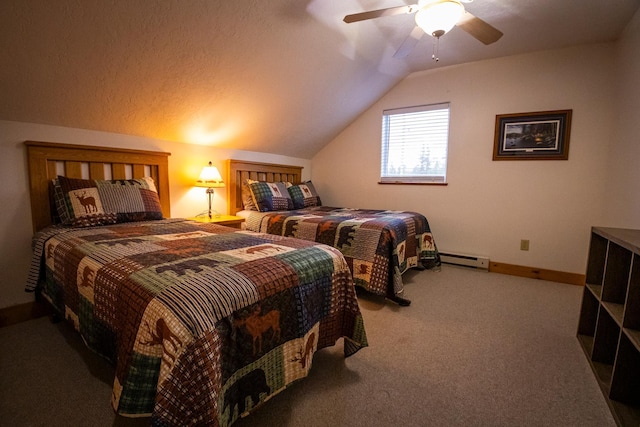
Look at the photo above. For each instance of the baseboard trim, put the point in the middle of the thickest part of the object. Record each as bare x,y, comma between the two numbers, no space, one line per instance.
537,273
22,312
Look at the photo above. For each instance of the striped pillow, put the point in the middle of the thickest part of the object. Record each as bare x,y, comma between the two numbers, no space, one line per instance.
247,199
88,202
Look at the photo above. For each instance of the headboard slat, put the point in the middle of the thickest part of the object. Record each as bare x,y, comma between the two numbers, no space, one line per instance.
118,171
51,169
73,169
155,172
138,171
96,170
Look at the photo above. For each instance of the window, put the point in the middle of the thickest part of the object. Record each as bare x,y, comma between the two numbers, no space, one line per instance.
414,144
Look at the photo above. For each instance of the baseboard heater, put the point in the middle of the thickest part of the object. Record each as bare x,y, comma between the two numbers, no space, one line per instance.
474,261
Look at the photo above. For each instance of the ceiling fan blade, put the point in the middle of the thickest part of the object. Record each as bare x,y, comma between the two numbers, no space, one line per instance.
409,43
479,29
380,12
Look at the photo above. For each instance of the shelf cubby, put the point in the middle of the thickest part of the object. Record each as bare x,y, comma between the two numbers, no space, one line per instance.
625,383
606,339
616,276
632,314
597,259
589,310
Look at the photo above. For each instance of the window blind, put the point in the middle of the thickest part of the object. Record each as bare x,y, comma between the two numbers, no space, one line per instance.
415,143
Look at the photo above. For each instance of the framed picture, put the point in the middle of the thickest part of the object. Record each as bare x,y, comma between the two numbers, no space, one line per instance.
543,135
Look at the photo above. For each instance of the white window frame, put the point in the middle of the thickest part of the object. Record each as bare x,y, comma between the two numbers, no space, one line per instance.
410,132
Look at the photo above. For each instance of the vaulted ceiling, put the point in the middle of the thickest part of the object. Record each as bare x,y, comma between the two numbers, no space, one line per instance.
277,76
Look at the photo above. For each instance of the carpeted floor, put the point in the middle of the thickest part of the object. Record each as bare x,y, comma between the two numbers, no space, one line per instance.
473,349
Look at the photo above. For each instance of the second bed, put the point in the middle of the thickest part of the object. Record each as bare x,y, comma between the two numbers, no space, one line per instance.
379,245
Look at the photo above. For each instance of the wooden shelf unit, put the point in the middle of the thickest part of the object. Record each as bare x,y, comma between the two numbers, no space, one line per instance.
609,323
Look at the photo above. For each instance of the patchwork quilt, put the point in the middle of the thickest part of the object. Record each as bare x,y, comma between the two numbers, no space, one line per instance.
379,245
202,322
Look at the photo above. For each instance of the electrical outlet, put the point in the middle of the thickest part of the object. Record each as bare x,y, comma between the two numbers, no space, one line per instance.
524,245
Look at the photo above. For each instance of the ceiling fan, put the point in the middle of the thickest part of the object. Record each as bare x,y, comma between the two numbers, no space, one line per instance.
436,18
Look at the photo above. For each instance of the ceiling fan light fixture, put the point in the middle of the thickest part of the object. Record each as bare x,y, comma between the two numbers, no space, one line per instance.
437,17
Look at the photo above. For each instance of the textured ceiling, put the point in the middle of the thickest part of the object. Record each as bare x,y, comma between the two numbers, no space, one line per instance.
277,76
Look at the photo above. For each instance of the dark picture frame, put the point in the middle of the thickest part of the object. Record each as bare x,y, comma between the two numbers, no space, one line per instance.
542,135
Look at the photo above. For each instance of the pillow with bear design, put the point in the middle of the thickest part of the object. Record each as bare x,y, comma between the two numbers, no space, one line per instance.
270,196
304,195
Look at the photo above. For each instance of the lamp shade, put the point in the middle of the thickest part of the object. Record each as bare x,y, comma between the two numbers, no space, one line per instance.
210,177
439,16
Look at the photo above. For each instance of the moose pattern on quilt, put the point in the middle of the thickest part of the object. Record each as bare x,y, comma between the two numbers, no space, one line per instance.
379,245
202,322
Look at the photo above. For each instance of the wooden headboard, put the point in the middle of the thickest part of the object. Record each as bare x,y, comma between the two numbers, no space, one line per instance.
46,160
239,170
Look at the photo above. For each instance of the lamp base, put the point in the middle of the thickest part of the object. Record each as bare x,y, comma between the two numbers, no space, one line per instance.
210,194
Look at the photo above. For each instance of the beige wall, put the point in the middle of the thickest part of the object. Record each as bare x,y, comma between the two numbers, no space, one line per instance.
622,208
185,164
489,206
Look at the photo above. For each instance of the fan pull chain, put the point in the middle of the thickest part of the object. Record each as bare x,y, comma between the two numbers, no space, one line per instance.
436,44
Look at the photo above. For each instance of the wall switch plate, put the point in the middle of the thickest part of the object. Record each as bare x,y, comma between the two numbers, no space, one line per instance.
524,245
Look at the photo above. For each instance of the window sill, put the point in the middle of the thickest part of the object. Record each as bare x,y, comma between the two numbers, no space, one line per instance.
412,183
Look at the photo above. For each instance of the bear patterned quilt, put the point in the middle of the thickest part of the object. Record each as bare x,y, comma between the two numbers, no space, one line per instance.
202,322
379,245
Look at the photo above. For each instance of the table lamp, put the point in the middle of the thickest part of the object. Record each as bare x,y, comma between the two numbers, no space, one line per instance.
210,178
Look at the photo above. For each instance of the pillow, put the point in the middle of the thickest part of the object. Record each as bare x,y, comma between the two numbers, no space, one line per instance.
247,199
88,202
270,196
55,217
304,195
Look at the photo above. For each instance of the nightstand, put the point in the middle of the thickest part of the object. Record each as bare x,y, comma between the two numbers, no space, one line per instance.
228,220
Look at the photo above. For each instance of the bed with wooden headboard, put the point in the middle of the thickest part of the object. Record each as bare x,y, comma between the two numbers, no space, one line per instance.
172,301
46,160
379,245
240,170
